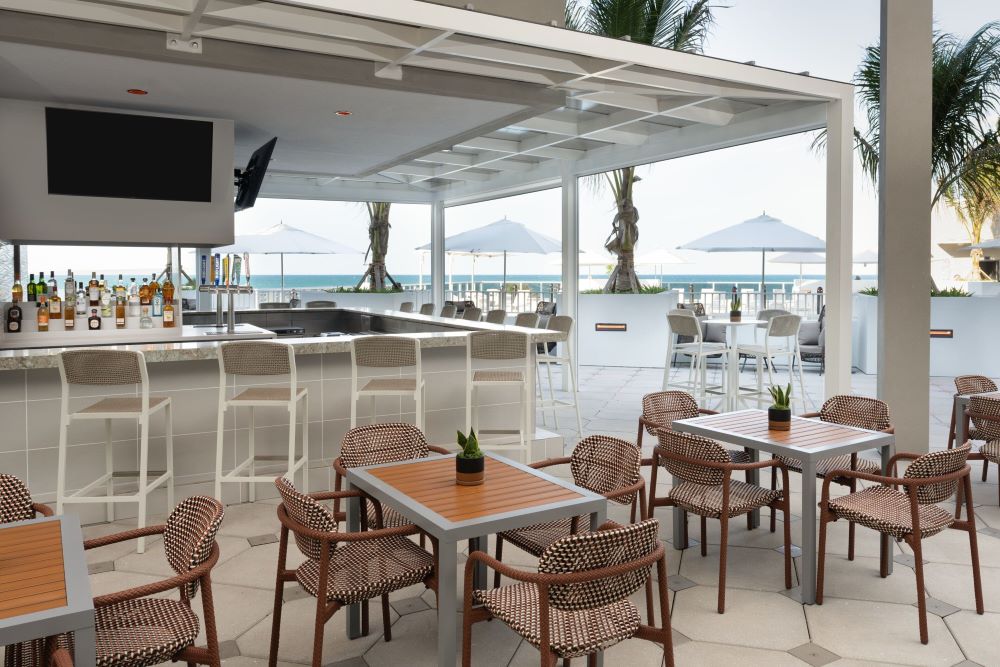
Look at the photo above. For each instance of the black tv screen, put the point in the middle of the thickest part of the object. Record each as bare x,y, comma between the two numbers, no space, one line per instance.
100,154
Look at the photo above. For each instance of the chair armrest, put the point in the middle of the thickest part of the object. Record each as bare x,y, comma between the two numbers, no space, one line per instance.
438,450
123,536
977,415
547,463
39,508
706,411
626,490
809,415
161,586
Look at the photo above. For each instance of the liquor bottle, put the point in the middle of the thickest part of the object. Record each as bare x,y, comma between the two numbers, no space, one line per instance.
158,304
145,320
168,314
69,286
40,286
168,290
107,307
120,291
94,291
133,299
144,296
12,322
94,321
32,288
69,316
54,302
81,301
17,292
102,284
154,286
52,284
42,316
120,313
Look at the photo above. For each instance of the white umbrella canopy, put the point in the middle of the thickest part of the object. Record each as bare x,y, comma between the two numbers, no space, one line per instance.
589,259
867,257
762,234
282,239
799,258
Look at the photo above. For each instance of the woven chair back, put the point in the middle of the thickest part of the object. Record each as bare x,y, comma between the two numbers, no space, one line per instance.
497,316
307,512
936,464
321,304
190,535
974,384
856,411
385,351
473,314
102,367
602,464
769,313
427,309
406,307
684,323
697,307
448,310
529,320
15,500
663,407
563,323
783,326
986,429
673,444
382,443
256,357
498,345
598,550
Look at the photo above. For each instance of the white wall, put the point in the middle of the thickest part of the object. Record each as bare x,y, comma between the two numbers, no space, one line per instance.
28,213
645,341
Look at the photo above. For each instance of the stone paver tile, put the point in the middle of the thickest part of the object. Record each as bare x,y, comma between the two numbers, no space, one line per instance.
968,663
116,550
112,582
298,619
754,569
907,560
228,649
409,605
237,609
350,662
249,519
706,654
255,567
258,540
679,583
815,655
414,643
952,546
98,568
880,631
976,635
939,608
953,584
754,619
860,580
244,661
990,532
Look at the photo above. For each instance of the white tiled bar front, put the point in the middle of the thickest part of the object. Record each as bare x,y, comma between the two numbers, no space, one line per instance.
189,374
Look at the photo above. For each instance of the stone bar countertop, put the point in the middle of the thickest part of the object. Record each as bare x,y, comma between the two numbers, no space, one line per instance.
197,347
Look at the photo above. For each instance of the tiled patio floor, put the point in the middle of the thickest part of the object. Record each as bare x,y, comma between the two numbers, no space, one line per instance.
866,620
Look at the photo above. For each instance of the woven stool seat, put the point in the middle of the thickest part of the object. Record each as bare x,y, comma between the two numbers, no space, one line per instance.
572,633
706,500
497,376
122,405
391,384
888,511
147,631
266,394
365,570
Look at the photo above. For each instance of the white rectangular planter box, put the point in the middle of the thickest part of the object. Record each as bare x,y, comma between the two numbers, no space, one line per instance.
644,340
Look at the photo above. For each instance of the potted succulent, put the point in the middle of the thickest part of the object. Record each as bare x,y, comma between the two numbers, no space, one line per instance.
470,464
735,314
779,415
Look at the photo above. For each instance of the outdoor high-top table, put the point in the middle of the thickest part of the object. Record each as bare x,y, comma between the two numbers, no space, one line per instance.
424,491
733,362
44,585
961,403
809,441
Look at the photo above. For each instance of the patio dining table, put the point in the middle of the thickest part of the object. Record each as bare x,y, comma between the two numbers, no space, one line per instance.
809,441
424,491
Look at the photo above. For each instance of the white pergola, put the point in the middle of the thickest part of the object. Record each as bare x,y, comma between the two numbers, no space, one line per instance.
567,105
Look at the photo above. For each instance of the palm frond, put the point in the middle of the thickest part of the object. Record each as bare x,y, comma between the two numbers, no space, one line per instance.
682,26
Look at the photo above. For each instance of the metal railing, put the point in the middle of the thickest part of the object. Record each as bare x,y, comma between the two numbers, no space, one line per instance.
523,300
806,304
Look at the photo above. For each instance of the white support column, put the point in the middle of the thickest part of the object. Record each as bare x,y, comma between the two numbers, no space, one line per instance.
437,254
839,242
904,228
571,264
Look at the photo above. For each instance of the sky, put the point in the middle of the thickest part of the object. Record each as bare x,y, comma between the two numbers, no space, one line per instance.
678,200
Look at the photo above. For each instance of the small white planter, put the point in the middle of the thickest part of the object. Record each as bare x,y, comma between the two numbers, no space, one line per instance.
643,342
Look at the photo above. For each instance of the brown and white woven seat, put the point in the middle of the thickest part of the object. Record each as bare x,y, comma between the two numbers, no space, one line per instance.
147,631
703,485
847,410
910,514
578,601
360,565
600,463
966,385
982,421
386,354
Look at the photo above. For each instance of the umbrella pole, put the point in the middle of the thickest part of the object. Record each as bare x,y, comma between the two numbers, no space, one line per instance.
503,296
282,255
763,287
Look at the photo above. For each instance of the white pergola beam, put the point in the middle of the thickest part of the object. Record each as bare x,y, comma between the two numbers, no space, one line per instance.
99,13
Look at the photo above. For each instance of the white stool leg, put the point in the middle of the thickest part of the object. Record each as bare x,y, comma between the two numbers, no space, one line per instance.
667,362
525,440
219,441
292,416
418,397
374,407
552,395
252,451
354,408
305,443
109,467
541,396
576,394
143,475
61,465
475,408
169,416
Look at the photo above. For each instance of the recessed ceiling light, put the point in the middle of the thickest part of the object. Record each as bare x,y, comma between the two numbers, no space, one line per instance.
137,91
344,113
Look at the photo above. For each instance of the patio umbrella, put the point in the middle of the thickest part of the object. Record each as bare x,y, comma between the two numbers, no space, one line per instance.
282,239
762,234
657,258
866,257
589,259
799,258
500,237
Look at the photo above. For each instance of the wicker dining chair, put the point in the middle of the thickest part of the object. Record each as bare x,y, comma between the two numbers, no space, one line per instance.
973,384
599,463
342,568
846,410
982,417
496,316
912,514
427,309
703,470
577,603
529,320
448,310
472,314
134,628
406,307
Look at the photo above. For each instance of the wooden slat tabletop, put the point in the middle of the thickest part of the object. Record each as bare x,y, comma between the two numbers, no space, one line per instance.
432,484
804,433
32,577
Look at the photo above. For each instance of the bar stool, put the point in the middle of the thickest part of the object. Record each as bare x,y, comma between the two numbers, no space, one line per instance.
427,309
387,352
683,322
497,316
781,339
448,310
472,313
261,358
546,358
406,307
114,368
529,320
499,346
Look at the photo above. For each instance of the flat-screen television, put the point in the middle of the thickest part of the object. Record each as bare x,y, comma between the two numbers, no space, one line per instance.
249,180
129,156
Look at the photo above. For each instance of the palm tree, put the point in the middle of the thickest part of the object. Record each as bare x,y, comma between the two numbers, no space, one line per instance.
378,246
965,148
680,25
976,209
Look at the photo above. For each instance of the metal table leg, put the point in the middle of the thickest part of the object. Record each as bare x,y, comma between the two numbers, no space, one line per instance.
960,404
447,642
808,545
755,480
353,525
679,540
596,519
885,542
85,646
479,577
